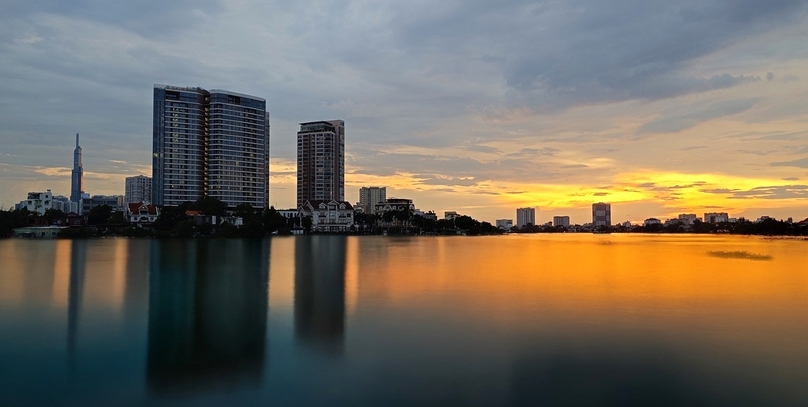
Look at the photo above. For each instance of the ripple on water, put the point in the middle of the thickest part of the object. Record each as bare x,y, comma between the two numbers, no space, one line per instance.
740,254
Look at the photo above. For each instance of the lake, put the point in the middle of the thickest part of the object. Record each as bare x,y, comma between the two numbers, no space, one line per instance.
574,319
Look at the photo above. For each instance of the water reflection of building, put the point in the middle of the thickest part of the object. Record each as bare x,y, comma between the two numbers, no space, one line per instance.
207,314
320,292
75,288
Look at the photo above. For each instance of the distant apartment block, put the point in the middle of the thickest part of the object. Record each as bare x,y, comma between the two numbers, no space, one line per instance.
370,196
321,161
113,201
688,218
716,217
602,214
138,189
525,216
563,221
506,224
209,144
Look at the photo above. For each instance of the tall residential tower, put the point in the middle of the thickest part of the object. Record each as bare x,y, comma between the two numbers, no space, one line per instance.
321,161
77,176
602,214
209,144
525,216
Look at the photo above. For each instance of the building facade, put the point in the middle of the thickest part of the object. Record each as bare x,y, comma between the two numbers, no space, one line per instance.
209,144
138,189
370,196
37,202
505,224
77,175
525,216
321,161
563,221
602,214
716,217
394,204
688,218
328,216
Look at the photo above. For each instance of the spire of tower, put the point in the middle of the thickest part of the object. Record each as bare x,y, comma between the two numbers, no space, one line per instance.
77,139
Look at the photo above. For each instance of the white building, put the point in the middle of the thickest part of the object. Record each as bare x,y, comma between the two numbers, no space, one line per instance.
38,202
394,204
561,221
138,189
369,197
141,213
716,217
525,216
506,224
450,215
328,216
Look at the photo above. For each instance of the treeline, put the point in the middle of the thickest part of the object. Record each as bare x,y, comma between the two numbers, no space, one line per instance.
766,227
405,222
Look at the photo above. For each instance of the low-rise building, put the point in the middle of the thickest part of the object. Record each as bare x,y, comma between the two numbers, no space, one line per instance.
505,224
38,232
651,221
142,213
328,216
394,204
450,215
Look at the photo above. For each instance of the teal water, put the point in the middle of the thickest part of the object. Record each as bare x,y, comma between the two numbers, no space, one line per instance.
617,320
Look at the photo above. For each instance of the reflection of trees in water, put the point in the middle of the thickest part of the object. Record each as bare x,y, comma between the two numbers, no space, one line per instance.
320,292
207,313
617,378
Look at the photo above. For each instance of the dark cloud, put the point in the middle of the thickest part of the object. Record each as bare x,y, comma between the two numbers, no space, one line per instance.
694,116
801,163
691,148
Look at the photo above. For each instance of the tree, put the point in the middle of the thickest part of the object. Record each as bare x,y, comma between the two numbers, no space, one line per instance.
245,211
98,215
253,229
210,206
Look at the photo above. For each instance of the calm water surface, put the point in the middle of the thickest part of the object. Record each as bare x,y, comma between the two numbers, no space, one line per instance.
327,320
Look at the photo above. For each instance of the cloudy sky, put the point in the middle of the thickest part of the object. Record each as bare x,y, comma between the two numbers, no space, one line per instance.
659,107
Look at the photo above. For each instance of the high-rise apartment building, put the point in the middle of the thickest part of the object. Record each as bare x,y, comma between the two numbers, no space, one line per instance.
716,217
77,175
369,197
138,189
209,144
602,214
563,221
321,161
525,216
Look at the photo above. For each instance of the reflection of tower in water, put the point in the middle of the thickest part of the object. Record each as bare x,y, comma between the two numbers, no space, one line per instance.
78,264
320,292
207,314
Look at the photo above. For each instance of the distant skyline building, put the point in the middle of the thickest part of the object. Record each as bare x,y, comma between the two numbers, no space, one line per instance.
563,221
209,144
321,161
716,217
138,189
602,214
369,197
505,224
77,175
525,216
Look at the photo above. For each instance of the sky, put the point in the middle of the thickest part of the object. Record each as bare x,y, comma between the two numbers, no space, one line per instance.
481,107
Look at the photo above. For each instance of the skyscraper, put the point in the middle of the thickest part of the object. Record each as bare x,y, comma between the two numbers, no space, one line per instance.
525,216
602,214
209,143
77,176
370,196
138,189
321,161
